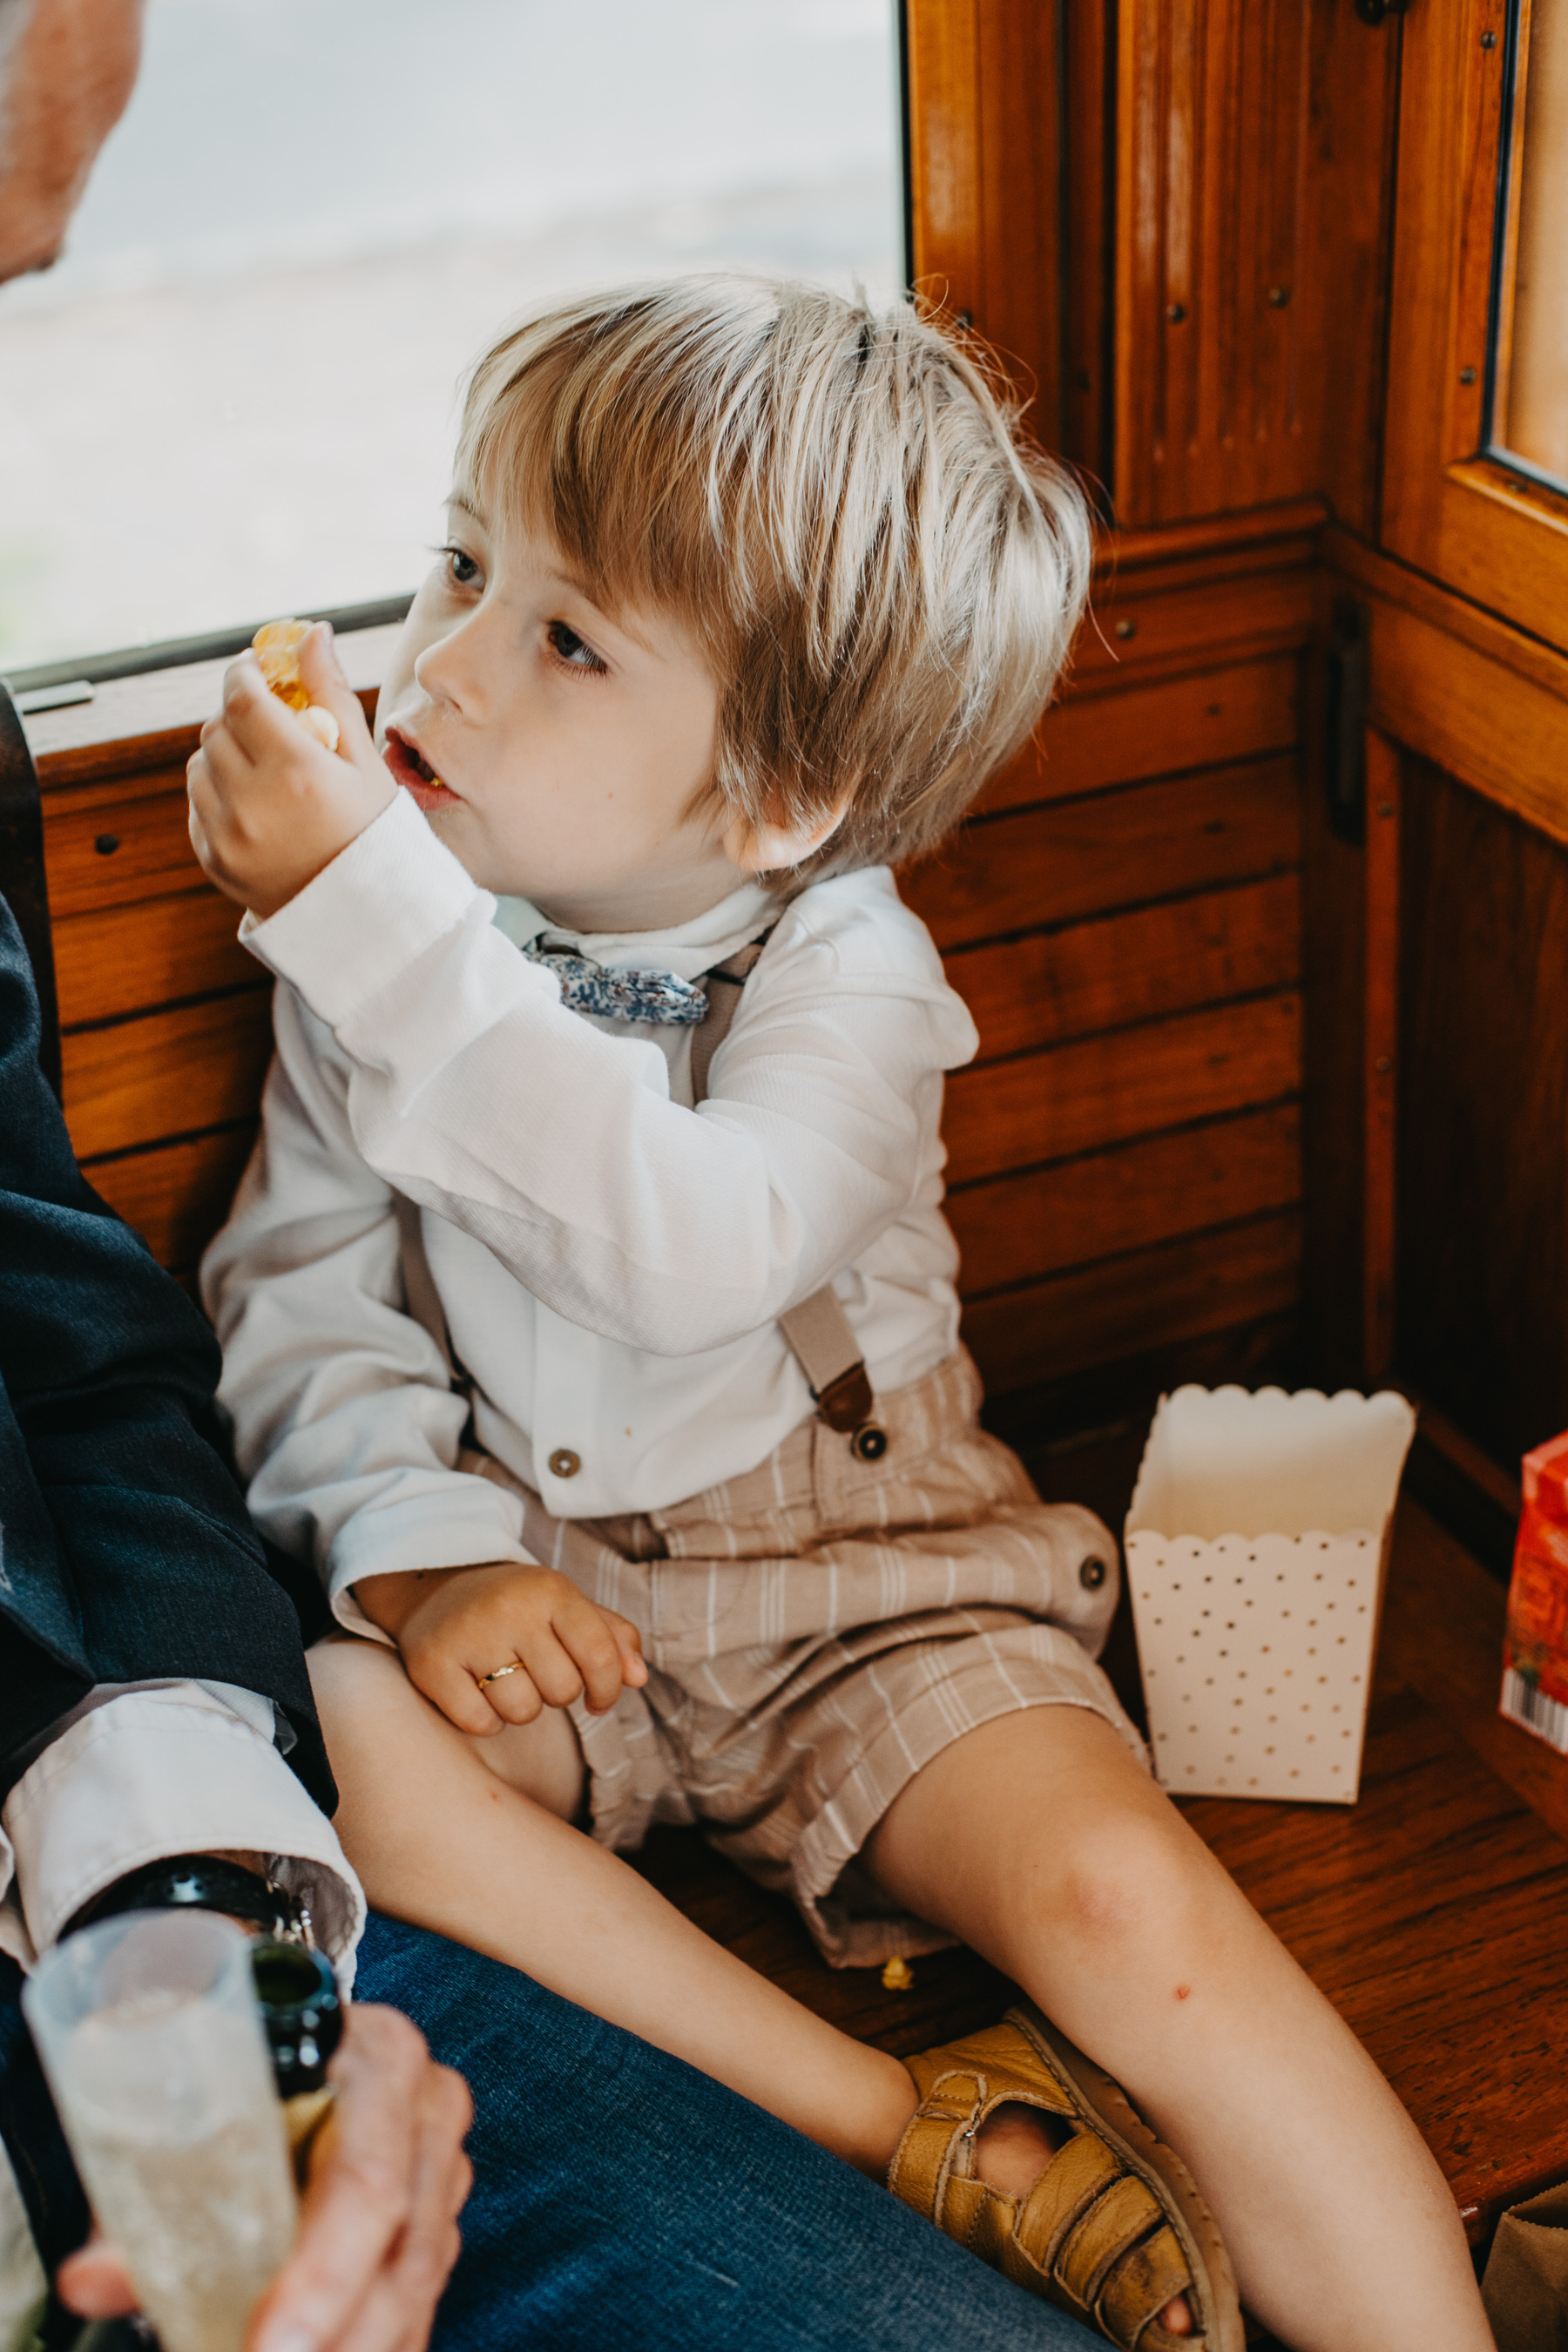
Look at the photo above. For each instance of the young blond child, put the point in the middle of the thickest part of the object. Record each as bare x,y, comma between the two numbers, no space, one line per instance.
614,1381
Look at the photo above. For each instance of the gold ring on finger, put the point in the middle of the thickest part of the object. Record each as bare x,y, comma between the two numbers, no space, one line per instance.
515,1668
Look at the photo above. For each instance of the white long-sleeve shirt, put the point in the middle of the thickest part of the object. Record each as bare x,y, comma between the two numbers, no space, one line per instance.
611,1262
132,1774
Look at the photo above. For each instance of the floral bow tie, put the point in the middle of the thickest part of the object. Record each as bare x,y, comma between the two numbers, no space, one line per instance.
652,996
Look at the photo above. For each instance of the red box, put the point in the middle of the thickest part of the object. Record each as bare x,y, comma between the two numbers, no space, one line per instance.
1535,1646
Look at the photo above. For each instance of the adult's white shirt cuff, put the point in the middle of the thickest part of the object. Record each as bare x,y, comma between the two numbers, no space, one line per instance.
154,1773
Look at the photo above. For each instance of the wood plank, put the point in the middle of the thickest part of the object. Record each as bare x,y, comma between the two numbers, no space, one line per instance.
1500,729
1482,1166
1017,1228
148,952
1090,741
110,852
177,1194
1253,146
1130,1305
1045,988
1139,628
1087,856
1103,1090
169,1074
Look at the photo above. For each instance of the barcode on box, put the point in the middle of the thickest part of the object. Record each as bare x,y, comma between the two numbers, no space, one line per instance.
1524,1702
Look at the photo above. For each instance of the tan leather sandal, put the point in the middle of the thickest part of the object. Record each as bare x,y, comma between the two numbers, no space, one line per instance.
1114,2228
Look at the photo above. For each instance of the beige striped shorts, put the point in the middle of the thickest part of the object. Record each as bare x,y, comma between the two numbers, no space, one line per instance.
819,1629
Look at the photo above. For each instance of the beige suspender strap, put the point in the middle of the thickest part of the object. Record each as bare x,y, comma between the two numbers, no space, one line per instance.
818,1330
829,1353
722,988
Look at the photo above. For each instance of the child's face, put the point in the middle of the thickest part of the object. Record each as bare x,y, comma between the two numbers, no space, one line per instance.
556,750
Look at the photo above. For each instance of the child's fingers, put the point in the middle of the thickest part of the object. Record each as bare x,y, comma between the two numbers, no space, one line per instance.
260,724
629,1645
552,1654
321,675
449,1684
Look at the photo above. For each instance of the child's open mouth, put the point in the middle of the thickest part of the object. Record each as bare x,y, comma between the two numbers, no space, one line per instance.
412,770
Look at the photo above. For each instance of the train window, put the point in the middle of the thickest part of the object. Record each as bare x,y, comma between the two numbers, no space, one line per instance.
234,395
1530,347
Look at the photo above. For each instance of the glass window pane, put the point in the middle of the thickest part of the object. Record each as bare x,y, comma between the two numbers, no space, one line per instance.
1530,398
235,395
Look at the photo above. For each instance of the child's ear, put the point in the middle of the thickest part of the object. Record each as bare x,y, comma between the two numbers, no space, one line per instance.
767,847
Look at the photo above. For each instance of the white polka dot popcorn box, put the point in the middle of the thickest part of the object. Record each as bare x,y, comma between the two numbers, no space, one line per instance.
1255,1547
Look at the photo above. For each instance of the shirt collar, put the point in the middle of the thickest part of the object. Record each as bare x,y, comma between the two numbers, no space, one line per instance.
687,950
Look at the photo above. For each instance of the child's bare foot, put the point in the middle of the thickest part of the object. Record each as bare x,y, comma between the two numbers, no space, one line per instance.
1013,2147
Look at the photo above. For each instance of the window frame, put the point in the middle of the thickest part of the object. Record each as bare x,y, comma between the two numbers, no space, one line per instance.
1453,504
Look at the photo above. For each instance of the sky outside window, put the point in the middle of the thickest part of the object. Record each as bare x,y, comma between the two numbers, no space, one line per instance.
236,395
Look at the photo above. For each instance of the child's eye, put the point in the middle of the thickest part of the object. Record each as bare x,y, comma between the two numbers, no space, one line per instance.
569,648
461,568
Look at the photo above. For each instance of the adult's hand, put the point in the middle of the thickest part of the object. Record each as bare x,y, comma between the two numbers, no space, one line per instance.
378,2234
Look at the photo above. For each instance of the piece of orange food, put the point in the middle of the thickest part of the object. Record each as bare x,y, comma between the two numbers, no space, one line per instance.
276,647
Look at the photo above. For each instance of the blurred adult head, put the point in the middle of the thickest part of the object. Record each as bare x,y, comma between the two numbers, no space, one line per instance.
67,67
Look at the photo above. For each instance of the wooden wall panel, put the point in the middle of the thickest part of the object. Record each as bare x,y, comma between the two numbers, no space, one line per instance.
985,107
1047,1220
147,953
1130,1307
1130,1082
1047,865
1104,974
176,1194
1141,728
166,1074
1253,146
1482,1300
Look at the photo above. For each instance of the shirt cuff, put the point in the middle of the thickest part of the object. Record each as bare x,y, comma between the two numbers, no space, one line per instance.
160,1773
394,892
458,1523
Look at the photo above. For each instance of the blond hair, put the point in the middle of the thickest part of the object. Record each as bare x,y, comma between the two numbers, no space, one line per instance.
884,575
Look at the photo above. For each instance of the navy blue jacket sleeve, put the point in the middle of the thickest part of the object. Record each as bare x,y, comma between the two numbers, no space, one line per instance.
125,1551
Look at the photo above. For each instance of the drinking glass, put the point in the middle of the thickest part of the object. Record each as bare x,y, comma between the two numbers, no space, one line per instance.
150,2034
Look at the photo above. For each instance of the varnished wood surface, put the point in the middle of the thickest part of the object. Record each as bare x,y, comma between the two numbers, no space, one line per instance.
1129,1082
1046,987
173,1073
1483,1141
1434,1913
1253,149
1078,857
1149,1301
1077,1211
1241,710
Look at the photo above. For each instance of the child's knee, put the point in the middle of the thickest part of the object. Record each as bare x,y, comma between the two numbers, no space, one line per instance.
1131,1874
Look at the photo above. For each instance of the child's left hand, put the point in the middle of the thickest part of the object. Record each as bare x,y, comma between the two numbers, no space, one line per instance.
269,808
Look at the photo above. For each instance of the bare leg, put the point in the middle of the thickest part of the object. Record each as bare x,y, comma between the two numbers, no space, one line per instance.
1039,1840
443,1841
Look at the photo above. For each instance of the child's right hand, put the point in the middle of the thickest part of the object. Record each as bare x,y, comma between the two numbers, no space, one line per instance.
456,1626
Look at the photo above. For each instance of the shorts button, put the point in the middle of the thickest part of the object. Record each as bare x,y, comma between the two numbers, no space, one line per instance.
869,1442
1092,1575
564,1464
